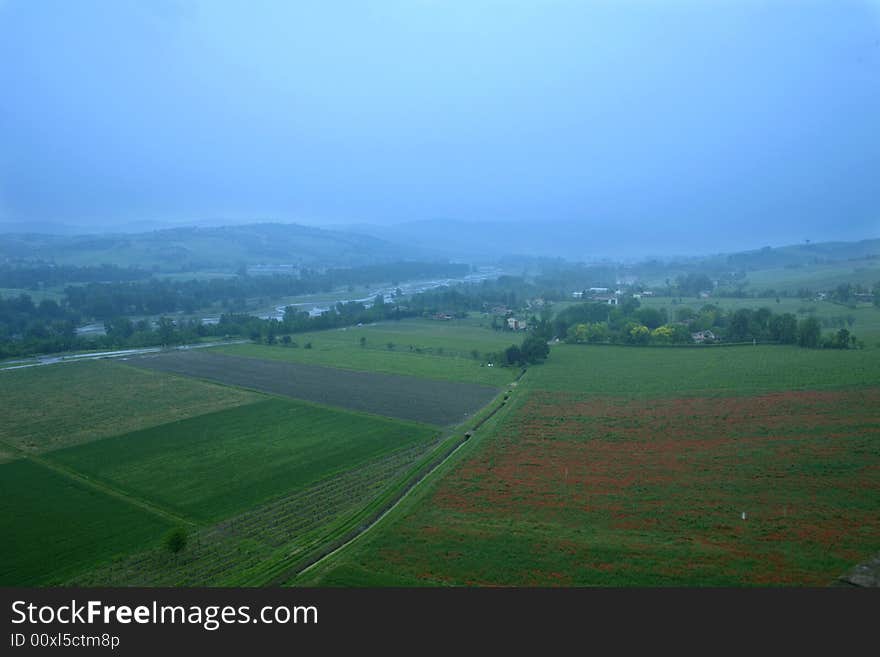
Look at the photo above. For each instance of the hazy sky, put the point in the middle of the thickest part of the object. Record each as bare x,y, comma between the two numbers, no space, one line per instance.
707,116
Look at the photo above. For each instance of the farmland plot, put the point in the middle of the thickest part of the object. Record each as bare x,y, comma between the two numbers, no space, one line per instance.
661,371
247,549
456,350
47,408
780,488
54,528
410,398
216,465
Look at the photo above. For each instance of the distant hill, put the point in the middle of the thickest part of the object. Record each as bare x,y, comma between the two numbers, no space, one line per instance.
592,240
804,254
487,241
192,248
227,247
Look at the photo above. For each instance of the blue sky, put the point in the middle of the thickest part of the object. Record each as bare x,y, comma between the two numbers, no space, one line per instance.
703,116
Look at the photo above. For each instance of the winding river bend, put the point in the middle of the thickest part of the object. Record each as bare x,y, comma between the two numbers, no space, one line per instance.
320,303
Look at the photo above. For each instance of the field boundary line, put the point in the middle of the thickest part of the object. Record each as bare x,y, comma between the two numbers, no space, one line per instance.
115,492
362,530
100,486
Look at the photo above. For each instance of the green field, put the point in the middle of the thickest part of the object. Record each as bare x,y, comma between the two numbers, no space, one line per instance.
7,454
51,407
254,478
250,548
611,466
621,466
52,293
54,528
215,465
440,350
790,279
815,276
651,371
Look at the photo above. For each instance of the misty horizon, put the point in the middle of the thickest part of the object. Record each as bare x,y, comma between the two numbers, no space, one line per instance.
648,125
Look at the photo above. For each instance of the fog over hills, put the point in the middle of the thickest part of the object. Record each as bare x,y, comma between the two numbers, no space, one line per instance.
585,241
224,247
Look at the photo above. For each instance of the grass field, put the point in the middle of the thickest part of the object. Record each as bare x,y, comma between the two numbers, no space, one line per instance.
247,549
815,277
222,463
405,397
6,455
619,467
52,294
47,408
646,371
440,350
611,465
821,276
54,528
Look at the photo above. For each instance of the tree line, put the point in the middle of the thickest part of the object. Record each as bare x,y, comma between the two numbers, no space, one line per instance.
156,296
42,275
628,323
28,328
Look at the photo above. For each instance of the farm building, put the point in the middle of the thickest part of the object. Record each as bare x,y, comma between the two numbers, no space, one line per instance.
516,324
702,336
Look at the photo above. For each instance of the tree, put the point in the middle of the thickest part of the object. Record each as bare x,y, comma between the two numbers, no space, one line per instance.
175,540
843,292
809,332
740,324
783,328
842,339
636,333
512,355
592,332
693,284
685,314
119,329
363,341
663,334
271,333
165,329
681,334
534,349
651,317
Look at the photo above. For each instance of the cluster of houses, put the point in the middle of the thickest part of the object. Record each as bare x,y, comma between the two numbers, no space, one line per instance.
600,294
703,336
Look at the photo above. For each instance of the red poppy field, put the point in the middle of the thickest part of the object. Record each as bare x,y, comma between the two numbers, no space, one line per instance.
772,489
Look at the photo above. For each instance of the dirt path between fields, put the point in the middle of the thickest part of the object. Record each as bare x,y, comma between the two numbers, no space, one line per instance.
358,532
